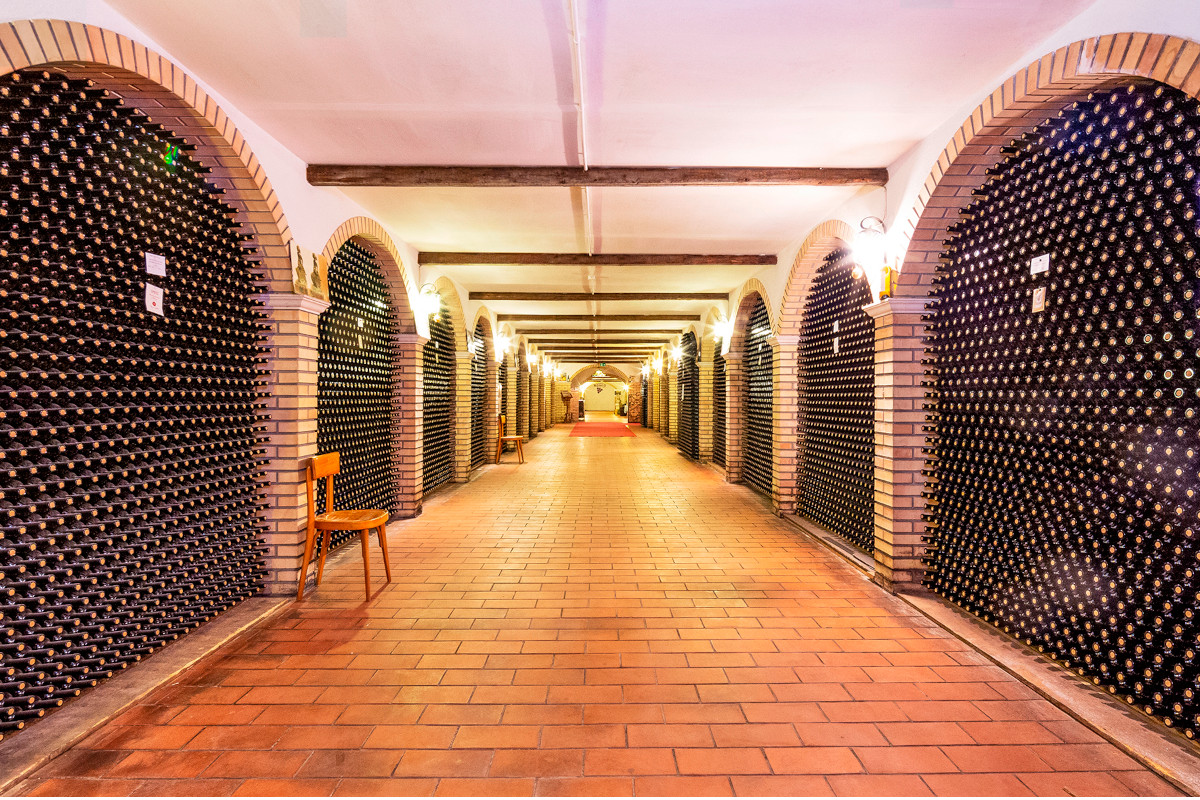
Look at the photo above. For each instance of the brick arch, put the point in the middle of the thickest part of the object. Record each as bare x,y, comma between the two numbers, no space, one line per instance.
170,97
449,294
580,377
1016,107
370,235
747,294
491,401
820,242
704,333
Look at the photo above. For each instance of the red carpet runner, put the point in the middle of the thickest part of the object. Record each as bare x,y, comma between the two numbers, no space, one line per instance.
601,429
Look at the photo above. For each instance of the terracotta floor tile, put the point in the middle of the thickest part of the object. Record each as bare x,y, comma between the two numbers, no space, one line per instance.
84,787
722,761
537,763
287,787
781,786
386,787
629,761
648,630
977,784
812,760
585,787
350,764
879,786
683,786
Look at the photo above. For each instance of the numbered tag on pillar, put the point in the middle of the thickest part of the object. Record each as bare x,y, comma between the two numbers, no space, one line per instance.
154,299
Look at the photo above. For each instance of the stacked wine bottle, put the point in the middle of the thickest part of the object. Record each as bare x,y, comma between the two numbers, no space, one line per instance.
1063,467
438,361
356,364
837,404
719,404
688,387
480,355
758,361
131,425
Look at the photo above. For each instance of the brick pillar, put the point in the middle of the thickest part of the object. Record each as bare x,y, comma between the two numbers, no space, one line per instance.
635,399
541,400
557,404
705,402
652,417
673,403
660,416
291,431
512,421
900,425
462,415
785,419
532,404
408,403
734,417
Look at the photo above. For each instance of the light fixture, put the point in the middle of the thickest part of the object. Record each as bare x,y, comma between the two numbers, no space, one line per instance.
429,302
502,344
531,359
677,354
645,370
870,253
723,330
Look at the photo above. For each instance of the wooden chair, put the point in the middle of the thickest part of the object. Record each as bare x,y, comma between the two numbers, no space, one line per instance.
502,439
325,467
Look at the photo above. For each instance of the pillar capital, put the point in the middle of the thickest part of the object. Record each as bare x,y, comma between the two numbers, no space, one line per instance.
290,301
897,305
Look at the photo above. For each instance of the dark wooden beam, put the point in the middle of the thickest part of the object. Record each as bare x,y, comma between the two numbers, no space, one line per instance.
443,176
551,297
598,260
641,340
596,317
622,331
598,356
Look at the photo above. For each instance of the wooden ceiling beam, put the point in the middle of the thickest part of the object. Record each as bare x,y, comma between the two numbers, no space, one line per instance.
598,260
508,176
622,331
588,297
603,342
597,317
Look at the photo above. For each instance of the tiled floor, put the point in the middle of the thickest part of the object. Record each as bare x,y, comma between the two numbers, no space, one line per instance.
604,619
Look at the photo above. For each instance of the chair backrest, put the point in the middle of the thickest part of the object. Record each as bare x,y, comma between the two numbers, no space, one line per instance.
503,419
325,465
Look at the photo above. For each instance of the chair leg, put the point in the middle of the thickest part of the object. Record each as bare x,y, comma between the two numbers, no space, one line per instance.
520,452
362,537
324,552
309,535
387,564
499,448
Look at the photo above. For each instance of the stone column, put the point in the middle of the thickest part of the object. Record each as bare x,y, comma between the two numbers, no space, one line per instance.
462,416
705,417
673,403
900,425
787,444
291,431
734,417
514,380
541,399
652,417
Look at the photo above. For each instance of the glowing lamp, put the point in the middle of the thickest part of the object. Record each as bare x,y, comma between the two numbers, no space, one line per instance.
870,253
429,302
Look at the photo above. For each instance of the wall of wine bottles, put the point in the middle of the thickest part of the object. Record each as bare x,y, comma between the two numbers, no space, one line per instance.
689,398
758,401
355,362
502,379
645,401
837,404
522,394
480,355
719,403
1063,467
438,361
132,422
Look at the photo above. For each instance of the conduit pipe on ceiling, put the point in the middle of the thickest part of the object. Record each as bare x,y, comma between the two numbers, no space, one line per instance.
577,82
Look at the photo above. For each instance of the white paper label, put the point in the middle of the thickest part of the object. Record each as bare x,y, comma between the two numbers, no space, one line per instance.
1039,264
835,345
1039,299
835,326
156,265
154,299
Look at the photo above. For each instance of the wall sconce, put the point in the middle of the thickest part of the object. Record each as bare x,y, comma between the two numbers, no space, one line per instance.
645,370
429,302
531,359
503,344
870,253
723,330
677,354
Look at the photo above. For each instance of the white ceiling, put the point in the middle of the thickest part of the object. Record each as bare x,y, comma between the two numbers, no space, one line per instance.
852,83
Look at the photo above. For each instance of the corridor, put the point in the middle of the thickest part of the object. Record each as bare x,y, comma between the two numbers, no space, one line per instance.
607,618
